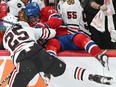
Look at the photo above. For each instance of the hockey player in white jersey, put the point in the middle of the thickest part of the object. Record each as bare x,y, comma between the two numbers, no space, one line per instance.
18,37
16,7
30,58
73,15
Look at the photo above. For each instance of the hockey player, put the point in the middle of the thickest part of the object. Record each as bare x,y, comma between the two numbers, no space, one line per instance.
52,3
16,7
46,17
73,15
72,37
30,58
67,39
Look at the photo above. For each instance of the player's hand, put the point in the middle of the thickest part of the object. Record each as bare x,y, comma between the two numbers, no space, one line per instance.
103,7
41,25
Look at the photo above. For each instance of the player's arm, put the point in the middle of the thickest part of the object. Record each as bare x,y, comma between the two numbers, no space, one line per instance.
43,33
53,17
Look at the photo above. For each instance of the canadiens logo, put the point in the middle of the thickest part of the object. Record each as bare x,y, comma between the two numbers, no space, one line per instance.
19,5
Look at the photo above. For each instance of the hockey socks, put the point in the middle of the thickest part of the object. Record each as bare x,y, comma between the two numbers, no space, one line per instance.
81,74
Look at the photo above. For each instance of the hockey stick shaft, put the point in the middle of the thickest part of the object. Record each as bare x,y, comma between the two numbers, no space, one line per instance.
8,22
5,79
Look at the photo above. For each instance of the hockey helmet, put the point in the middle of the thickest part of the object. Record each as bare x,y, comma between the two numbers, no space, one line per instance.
32,9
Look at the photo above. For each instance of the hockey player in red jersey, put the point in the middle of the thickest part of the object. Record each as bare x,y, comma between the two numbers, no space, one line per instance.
71,36
65,40
47,17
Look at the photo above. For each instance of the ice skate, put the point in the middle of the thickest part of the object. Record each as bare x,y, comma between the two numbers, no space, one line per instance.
101,79
103,58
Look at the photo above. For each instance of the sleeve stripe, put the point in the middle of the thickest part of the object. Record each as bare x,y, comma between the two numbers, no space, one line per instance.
42,33
46,33
55,15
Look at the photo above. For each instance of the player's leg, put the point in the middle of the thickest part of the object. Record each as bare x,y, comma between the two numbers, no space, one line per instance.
24,72
61,43
82,74
83,41
60,68
53,46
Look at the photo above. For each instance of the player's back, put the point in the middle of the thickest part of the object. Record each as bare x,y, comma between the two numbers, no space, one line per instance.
20,37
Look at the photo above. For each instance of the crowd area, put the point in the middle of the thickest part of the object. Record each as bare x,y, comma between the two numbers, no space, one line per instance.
34,31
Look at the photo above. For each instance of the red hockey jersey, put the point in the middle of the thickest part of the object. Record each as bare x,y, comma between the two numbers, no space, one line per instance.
50,17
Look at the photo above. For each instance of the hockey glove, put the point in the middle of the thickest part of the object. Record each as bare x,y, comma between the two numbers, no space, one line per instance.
41,25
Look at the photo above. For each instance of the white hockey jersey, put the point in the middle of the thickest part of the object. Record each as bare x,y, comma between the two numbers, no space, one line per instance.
17,39
59,6
73,15
16,5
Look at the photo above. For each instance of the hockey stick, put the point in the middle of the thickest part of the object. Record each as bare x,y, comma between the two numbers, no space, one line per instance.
44,77
8,22
5,79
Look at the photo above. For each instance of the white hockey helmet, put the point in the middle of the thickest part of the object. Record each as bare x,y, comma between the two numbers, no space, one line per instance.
9,20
